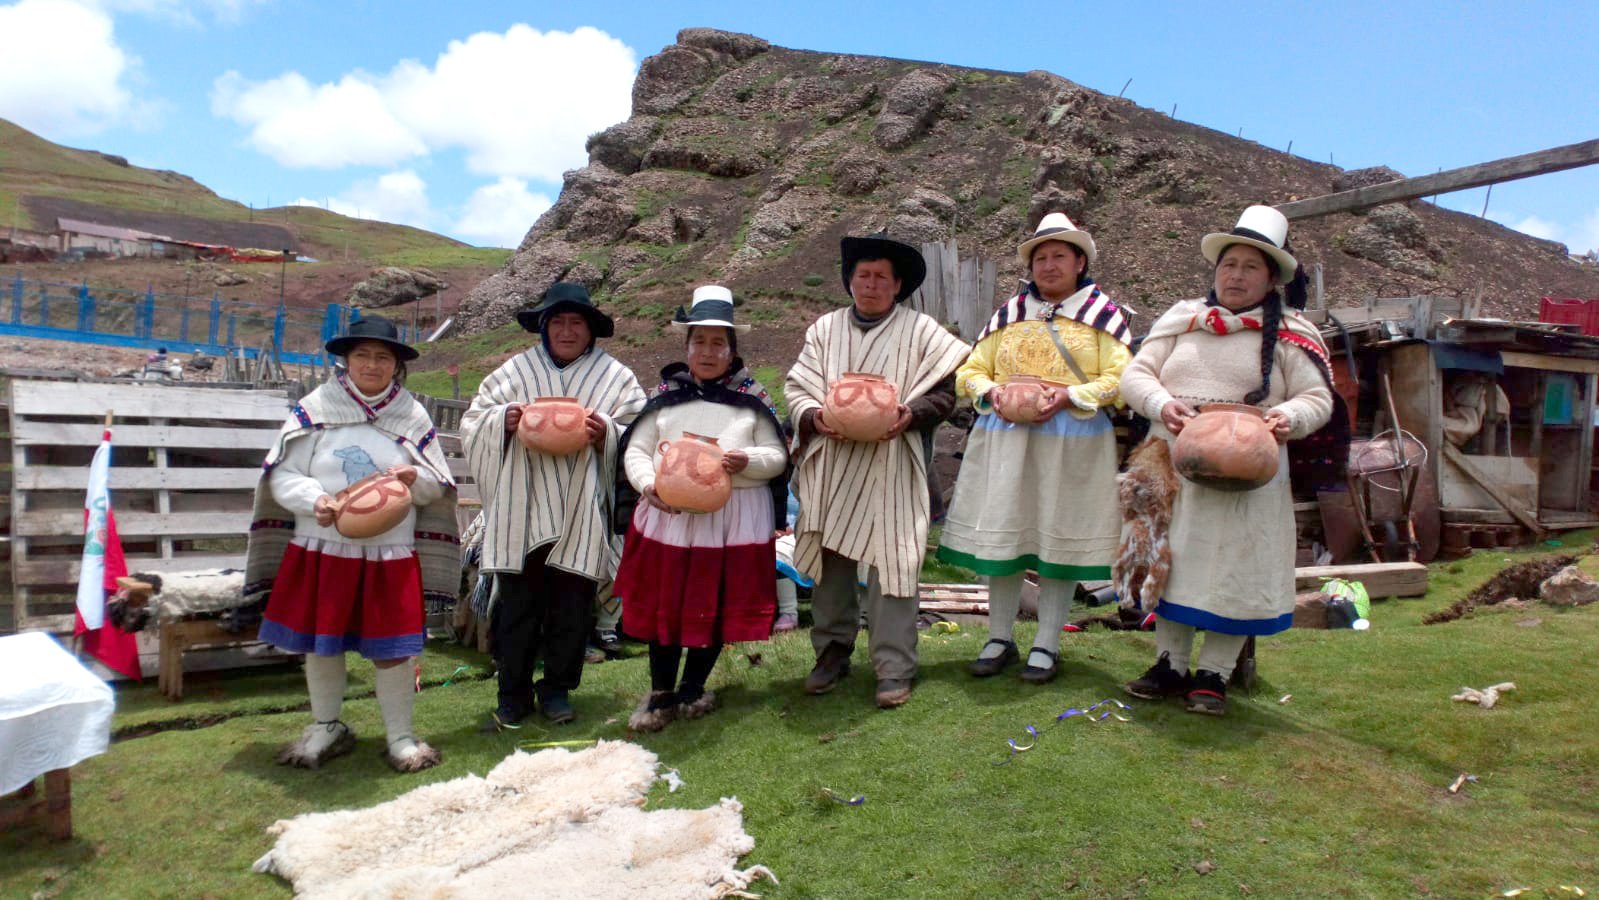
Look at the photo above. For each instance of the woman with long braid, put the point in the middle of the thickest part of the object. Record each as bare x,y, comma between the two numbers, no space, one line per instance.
1232,553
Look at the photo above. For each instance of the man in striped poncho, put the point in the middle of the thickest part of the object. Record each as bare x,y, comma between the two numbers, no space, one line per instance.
547,538
864,506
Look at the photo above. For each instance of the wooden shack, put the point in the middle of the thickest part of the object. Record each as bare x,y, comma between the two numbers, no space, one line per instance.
1524,461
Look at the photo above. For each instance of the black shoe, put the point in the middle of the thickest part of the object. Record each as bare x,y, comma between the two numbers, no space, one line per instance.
502,718
1208,695
1035,675
557,708
831,666
993,665
1158,682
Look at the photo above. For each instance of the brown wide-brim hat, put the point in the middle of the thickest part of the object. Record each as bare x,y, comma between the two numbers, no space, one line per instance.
372,328
565,296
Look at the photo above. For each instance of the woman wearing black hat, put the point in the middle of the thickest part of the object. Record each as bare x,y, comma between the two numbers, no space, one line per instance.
547,535
864,506
697,581
327,593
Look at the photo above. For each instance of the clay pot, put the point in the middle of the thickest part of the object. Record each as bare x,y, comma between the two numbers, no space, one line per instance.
554,425
371,506
862,406
1228,446
1024,397
689,475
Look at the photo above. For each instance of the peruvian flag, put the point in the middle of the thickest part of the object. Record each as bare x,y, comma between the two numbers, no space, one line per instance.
103,564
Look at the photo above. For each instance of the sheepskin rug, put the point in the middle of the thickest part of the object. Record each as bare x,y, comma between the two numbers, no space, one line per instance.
554,823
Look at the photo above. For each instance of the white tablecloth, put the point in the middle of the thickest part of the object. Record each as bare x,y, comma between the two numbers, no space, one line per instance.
54,713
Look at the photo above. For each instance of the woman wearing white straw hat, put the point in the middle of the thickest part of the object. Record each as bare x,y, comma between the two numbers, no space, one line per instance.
1039,492
1232,553
698,581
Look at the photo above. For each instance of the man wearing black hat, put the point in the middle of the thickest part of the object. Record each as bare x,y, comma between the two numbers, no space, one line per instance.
547,538
864,506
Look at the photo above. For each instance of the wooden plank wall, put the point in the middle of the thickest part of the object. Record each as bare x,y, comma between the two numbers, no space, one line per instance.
959,292
184,468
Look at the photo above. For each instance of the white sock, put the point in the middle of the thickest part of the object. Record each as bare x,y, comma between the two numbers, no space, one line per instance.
1054,605
1004,602
1219,653
1175,641
325,679
396,690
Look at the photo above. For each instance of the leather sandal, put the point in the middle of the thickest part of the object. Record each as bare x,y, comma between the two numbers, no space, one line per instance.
1034,675
983,667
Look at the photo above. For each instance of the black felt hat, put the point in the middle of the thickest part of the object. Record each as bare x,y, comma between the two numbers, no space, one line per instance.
909,267
565,296
371,328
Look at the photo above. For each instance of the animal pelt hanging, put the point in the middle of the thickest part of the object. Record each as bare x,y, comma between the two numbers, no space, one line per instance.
1147,492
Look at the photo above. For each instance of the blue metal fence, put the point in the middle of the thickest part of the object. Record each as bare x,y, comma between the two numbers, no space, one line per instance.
120,318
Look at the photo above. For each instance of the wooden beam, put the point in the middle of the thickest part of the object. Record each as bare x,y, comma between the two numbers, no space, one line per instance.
1549,363
1406,579
1511,168
1483,481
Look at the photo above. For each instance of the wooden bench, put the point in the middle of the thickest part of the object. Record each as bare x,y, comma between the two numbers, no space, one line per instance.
185,462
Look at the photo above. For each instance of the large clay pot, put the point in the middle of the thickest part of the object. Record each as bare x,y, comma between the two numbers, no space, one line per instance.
689,475
1025,396
1228,446
554,425
371,506
862,406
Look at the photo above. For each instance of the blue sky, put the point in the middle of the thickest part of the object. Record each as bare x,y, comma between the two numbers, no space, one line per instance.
461,119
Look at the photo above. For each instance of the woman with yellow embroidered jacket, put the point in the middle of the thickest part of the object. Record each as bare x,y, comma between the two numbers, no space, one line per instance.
1041,495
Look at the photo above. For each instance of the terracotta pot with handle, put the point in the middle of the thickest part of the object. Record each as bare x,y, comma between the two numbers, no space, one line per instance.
371,506
689,475
1228,446
554,425
862,406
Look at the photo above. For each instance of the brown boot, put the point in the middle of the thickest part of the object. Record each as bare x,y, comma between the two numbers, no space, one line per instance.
892,692
831,666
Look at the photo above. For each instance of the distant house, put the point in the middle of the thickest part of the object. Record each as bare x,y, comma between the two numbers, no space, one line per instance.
108,240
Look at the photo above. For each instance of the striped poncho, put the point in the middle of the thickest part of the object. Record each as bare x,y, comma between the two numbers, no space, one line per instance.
867,501
531,499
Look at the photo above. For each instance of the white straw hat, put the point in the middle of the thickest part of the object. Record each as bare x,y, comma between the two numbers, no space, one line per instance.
1056,227
1262,227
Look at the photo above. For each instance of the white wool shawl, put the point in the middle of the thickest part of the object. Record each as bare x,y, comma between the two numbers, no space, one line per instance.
867,501
531,499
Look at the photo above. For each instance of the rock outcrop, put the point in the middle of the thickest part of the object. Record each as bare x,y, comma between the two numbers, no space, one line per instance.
744,162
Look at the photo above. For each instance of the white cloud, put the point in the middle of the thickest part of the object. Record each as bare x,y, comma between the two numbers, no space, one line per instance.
62,72
519,104
1579,237
499,214
322,126
400,197
1538,228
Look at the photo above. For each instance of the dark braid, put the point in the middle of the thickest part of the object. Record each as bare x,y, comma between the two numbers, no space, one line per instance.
1272,309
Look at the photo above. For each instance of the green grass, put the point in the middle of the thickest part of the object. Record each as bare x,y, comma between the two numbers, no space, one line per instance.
446,257
429,376
771,378
1339,792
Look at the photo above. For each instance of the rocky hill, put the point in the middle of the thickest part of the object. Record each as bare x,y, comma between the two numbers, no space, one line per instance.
744,163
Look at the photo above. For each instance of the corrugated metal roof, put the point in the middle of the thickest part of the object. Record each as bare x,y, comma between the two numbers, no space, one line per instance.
95,229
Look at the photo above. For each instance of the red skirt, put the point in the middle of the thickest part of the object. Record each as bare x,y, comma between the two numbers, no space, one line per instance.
330,597
693,580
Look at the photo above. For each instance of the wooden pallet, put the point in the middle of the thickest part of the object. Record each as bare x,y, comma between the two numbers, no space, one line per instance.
953,598
184,467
